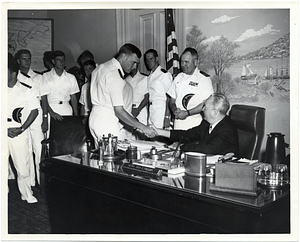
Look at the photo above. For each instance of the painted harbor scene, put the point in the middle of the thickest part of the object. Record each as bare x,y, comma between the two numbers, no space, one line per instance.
246,52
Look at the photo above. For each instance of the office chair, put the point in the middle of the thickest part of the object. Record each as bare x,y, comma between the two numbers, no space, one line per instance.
66,137
250,123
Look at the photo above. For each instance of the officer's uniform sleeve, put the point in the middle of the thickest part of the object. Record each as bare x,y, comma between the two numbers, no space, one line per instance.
82,94
167,81
74,85
44,87
116,86
31,100
207,87
172,90
144,86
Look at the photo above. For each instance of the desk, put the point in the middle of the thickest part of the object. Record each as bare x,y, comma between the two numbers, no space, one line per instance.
87,200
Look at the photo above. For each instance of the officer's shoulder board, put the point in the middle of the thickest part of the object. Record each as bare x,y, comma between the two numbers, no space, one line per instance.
24,74
37,72
204,74
163,70
45,72
26,85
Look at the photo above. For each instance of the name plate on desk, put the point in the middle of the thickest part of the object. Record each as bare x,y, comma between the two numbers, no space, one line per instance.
139,170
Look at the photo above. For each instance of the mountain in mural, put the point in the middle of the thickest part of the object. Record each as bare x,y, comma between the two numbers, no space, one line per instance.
278,49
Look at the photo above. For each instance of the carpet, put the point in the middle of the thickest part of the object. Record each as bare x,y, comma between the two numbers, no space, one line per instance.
25,218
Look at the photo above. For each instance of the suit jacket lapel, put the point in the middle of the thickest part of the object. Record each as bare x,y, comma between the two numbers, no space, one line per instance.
217,127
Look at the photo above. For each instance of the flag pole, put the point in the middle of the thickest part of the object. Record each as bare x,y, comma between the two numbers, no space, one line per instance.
172,57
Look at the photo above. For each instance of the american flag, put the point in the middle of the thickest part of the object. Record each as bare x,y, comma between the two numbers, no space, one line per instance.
172,57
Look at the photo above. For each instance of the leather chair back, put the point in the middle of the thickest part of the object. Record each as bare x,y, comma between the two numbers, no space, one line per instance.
250,123
67,136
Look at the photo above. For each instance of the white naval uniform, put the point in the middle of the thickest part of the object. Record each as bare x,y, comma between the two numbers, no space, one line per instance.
139,85
126,130
194,89
60,89
85,97
34,80
107,87
159,83
20,96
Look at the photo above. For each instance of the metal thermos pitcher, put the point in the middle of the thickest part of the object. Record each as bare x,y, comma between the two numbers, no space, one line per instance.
131,153
275,149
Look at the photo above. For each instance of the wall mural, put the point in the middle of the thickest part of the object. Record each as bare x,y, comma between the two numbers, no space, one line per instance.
246,52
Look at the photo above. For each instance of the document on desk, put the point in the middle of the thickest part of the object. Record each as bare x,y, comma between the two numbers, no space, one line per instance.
212,159
143,146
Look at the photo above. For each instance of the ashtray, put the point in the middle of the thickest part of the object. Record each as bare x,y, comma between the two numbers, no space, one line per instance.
273,183
118,155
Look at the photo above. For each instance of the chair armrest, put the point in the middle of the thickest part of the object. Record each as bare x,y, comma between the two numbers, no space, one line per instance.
46,141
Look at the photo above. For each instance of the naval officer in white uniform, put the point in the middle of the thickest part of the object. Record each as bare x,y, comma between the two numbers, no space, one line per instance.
188,91
107,88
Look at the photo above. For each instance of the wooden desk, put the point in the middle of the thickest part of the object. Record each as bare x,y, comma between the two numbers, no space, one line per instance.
83,199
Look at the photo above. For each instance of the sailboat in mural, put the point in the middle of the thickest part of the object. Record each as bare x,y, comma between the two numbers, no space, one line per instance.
278,72
270,73
248,74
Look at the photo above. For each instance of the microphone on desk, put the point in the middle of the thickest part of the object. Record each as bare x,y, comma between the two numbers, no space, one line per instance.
175,156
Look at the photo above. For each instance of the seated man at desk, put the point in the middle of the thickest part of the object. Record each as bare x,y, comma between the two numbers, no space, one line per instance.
216,133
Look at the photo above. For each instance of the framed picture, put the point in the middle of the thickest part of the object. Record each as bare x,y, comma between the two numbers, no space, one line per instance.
36,35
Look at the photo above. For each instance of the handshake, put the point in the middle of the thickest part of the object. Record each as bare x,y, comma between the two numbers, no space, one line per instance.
150,131
180,114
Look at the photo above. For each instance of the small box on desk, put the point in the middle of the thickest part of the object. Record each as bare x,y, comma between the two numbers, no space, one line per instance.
236,178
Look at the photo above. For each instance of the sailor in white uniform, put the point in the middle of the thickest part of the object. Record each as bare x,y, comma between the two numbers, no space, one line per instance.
20,96
60,89
159,82
33,80
188,91
63,88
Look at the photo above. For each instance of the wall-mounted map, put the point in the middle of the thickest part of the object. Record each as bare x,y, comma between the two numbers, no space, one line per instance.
32,34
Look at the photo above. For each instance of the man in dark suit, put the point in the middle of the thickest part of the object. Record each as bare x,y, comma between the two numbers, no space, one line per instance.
216,134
